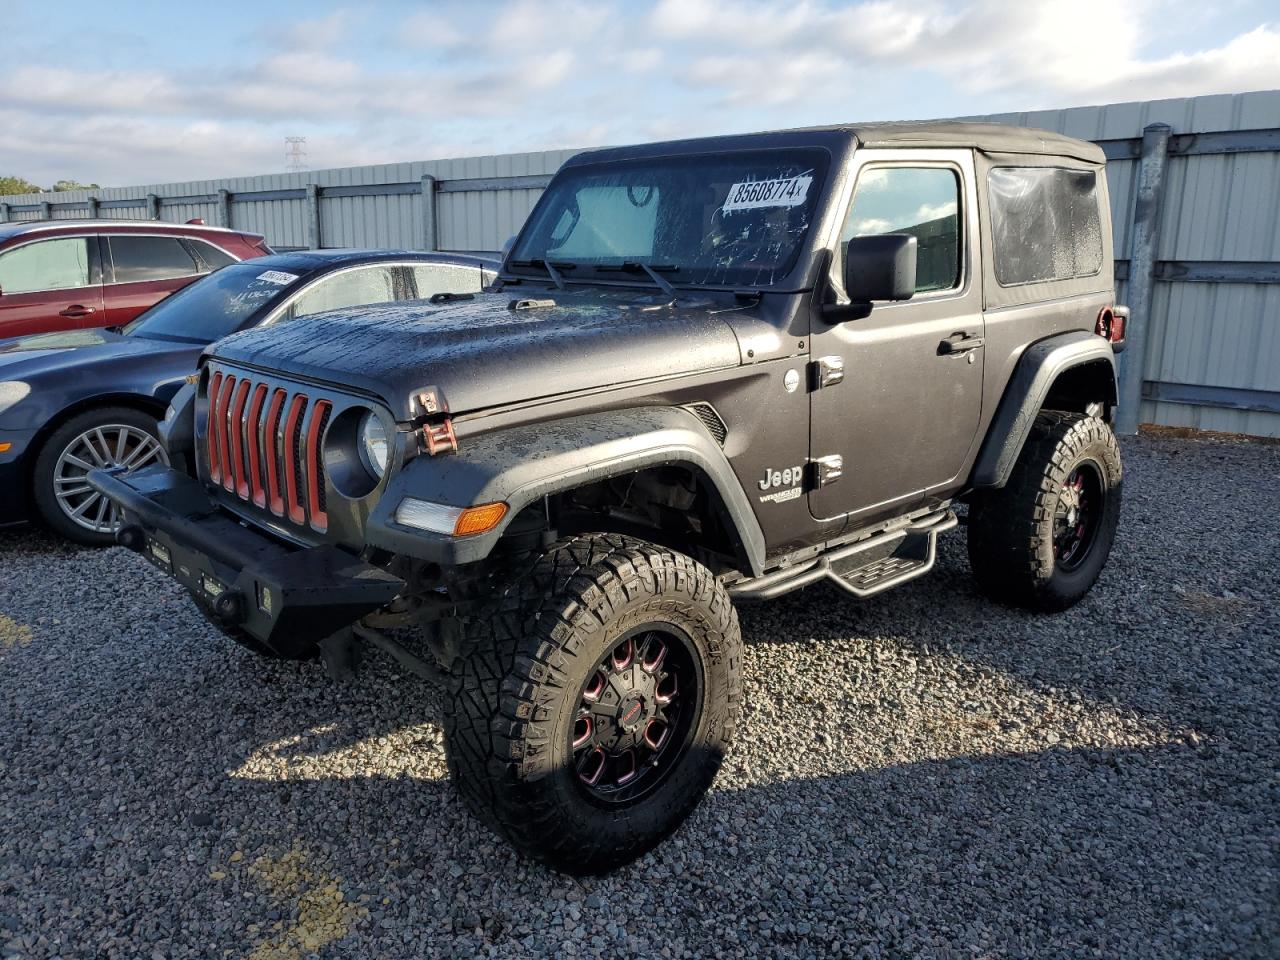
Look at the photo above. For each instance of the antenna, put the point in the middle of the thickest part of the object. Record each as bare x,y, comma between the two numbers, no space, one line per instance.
295,154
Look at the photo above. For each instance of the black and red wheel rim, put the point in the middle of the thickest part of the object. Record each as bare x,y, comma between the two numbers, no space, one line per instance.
636,714
1078,515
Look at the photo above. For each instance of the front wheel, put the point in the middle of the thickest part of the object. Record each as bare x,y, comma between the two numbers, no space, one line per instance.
595,700
1041,540
104,438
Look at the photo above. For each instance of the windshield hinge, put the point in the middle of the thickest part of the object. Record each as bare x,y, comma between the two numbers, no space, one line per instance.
439,437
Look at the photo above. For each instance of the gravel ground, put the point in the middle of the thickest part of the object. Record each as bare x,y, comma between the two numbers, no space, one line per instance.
923,774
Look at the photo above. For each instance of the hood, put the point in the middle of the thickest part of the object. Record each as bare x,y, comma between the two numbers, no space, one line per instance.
59,370
60,353
483,353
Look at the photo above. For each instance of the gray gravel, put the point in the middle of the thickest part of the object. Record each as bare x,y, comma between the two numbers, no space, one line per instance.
924,774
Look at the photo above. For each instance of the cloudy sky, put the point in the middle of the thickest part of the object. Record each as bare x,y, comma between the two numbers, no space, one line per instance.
166,91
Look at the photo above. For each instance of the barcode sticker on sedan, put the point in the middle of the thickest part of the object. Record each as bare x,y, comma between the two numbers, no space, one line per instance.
754,194
278,276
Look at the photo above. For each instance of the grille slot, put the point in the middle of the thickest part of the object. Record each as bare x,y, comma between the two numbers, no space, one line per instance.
710,419
264,445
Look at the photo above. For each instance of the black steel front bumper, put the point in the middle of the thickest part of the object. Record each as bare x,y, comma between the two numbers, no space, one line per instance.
285,596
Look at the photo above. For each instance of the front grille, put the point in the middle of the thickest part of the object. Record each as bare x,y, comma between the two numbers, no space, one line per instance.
264,444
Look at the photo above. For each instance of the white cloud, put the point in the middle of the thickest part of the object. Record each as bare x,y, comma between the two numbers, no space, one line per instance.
455,77
774,52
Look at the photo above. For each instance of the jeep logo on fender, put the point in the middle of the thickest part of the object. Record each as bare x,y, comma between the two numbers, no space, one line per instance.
781,478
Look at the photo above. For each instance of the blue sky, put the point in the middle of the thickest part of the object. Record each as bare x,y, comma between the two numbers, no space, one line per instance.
155,95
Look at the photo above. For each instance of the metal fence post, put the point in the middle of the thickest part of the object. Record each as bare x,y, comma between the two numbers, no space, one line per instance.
4,213
91,208
313,216
153,207
430,234
224,208
1143,249
46,210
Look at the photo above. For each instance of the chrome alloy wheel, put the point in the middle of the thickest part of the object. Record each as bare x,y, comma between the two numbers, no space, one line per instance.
106,446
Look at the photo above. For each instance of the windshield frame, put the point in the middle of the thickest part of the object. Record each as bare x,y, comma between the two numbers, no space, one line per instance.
826,170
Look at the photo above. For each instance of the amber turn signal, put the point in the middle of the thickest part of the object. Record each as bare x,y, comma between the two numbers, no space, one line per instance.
480,519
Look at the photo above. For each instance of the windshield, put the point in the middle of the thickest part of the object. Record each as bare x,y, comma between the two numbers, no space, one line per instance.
734,219
215,306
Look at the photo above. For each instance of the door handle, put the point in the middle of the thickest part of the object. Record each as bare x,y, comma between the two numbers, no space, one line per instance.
76,311
959,343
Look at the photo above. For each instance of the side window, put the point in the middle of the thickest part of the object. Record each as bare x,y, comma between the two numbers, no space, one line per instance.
351,288
212,256
1044,224
137,259
922,201
432,278
61,264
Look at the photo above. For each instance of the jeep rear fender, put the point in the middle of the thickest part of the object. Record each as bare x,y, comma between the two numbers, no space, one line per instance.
520,465
1040,367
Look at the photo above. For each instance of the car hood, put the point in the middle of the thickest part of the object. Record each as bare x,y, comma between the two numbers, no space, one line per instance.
486,352
22,358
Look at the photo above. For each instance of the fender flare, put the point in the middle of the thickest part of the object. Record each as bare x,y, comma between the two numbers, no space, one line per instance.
520,465
1039,366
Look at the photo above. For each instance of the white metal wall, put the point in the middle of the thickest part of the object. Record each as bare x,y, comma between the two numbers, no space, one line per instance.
1216,207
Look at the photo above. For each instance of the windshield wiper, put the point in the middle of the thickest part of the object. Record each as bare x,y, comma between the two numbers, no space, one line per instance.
553,268
634,266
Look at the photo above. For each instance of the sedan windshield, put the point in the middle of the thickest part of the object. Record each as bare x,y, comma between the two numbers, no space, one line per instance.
734,219
215,306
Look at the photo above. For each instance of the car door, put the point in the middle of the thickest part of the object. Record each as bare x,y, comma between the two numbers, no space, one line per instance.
50,284
905,413
142,270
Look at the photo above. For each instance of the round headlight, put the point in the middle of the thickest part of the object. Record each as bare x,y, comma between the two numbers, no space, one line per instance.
373,444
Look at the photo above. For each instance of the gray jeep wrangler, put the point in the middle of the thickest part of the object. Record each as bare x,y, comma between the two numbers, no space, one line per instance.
711,371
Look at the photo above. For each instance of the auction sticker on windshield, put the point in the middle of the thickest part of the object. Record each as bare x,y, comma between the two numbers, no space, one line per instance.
782,192
278,276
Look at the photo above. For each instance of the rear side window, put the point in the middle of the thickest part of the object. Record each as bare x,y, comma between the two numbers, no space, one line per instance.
212,256
1044,224
432,278
921,201
61,264
138,259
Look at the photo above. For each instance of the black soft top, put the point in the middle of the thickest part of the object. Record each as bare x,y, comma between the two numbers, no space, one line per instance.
987,137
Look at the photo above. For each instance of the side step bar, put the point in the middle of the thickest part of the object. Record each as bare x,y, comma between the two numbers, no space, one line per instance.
864,568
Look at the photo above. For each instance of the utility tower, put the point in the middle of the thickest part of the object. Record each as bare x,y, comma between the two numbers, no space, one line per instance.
295,154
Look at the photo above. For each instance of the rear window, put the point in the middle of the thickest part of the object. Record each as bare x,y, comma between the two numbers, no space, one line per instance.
1044,224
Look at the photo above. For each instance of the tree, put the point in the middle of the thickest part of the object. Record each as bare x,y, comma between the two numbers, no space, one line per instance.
16,185
64,185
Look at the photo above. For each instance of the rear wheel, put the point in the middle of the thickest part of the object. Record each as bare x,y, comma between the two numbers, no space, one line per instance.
105,438
595,700
1041,540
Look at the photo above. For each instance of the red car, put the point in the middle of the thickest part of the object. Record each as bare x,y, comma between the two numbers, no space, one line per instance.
72,274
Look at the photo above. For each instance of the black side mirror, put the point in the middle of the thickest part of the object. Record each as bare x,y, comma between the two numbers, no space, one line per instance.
881,267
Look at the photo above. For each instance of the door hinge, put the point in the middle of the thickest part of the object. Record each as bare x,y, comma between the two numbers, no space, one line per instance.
827,470
826,372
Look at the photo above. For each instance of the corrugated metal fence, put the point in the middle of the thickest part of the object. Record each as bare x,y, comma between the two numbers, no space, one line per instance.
1195,194
1195,203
